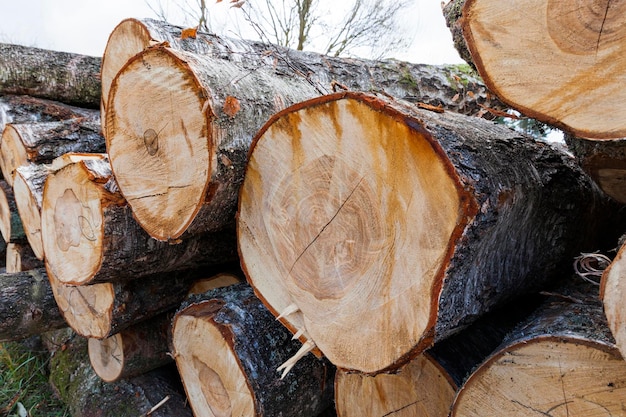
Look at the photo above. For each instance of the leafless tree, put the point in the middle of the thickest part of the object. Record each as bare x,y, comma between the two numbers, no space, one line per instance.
338,29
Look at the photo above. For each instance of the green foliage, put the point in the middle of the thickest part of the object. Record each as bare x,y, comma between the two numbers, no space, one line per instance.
24,380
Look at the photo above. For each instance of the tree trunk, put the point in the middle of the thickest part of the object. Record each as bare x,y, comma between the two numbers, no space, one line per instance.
521,57
25,109
88,396
41,143
192,156
10,223
20,257
61,76
561,362
377,228
91,236
102,310
613,295
228,347
133,351
27,306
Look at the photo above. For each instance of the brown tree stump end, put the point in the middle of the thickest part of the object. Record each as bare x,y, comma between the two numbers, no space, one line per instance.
228,347
561,362
133,351
613,295
91,236
28,189
521,49
377,228
420,388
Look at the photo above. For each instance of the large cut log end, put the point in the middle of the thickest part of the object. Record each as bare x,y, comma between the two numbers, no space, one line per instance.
613,295
322,225
173,153
521,57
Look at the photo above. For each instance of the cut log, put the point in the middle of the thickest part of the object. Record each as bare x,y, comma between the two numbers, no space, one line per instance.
426,386
217,281
154,394
133,351
41,143
10,223
61,76
562,362
447,86
28,307
604,161
521,57
191,156
26,109
90,235
613,295
377,228
20,257
102,310
420,388
228,347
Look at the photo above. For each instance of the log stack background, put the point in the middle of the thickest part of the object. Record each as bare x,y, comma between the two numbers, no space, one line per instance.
403,254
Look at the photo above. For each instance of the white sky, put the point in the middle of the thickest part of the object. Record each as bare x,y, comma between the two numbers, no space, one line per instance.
83,26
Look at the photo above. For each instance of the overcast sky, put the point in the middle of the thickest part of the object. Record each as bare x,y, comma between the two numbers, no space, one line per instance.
83,26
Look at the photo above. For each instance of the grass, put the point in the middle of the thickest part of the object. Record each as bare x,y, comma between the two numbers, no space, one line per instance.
24,387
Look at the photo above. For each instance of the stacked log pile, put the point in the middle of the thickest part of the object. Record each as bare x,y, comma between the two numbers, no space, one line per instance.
378,216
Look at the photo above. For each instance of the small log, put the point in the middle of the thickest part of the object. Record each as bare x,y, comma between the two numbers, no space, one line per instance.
90,235
613,295
154,394
562,361
10,223
28,307
61,76
102,310
521,57
342,192
133,351
26,109
41,143
20,257
228,347
225,89
420,388
216,281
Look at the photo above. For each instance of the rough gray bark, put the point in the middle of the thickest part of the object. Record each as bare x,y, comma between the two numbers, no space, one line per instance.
28,307
87,395
260,345
61,76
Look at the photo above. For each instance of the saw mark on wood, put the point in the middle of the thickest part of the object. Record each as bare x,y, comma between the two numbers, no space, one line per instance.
326,225
401,408
531,408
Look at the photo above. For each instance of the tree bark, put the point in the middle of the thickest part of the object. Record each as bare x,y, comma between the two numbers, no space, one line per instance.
41,143
562,361
10,223
102,310
26,109
61,76
228,347
377,228
20,257
521,57
88,396
90,234
225,90
28,307
133,351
